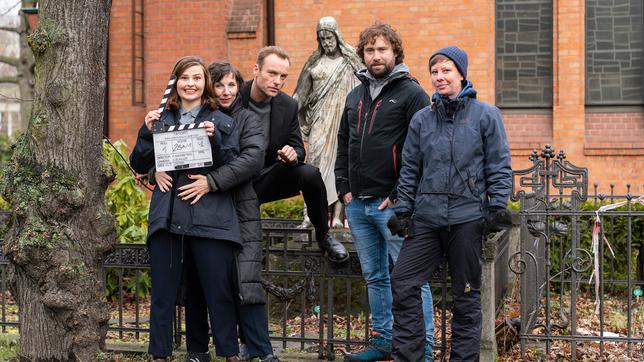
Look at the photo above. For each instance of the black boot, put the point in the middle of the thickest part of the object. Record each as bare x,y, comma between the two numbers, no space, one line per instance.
334,249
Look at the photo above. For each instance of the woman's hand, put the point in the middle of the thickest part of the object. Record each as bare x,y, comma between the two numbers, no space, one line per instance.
164,181
151,117
194,190
210,128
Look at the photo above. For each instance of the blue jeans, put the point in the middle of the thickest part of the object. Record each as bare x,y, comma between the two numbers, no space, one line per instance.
375,244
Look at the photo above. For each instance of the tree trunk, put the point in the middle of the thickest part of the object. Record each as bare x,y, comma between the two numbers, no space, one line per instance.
61,231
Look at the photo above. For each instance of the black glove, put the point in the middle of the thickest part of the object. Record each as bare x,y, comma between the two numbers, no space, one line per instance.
498,219
401,225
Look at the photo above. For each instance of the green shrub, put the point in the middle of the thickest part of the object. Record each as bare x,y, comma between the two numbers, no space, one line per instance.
292,208
6,151
125,199
615,229
129,205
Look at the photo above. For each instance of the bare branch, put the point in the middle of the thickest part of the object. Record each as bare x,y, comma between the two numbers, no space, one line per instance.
10,60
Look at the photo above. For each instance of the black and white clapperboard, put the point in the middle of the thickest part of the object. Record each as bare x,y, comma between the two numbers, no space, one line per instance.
180,147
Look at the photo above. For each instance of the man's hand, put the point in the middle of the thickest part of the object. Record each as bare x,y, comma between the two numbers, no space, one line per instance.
385,204
194,190
163,180
401,225
287,155
347,198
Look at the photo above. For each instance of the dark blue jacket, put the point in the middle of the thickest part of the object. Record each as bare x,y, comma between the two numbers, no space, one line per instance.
214,215
454,167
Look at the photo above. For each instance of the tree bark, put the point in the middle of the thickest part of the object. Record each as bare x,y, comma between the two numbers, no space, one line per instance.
61,231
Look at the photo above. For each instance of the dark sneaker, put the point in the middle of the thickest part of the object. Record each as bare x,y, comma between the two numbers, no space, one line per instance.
378,349
197,357
334,249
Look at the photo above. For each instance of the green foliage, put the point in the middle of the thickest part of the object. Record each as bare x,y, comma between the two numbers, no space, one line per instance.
5,155
125,199
615,229
129,205
292,208
133,282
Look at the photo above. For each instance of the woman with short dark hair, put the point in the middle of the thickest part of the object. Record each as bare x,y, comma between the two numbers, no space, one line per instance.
455,175
189,218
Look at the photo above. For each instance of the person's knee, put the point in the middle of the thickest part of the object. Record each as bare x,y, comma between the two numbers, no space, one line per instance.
309,176
402,288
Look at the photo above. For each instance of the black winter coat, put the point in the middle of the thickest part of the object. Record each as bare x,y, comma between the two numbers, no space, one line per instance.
284,128
213,216
371,136
237,176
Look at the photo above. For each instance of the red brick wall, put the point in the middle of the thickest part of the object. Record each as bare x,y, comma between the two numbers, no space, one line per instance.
172,29
614,134
122,114
526,132
424,28
608,144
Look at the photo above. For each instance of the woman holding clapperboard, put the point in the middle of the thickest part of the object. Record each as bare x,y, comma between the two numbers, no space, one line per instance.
227,82
188,218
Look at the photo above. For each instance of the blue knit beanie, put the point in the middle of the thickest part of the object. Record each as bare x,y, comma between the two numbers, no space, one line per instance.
455,54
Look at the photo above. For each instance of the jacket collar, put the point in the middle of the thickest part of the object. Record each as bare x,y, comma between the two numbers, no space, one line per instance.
277,109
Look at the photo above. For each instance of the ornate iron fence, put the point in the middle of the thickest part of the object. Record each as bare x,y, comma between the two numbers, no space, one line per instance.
313,306
576,247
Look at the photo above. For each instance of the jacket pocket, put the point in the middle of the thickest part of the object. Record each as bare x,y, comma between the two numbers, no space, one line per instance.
159,205
215,209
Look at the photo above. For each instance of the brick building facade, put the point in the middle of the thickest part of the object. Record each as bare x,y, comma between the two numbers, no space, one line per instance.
567,72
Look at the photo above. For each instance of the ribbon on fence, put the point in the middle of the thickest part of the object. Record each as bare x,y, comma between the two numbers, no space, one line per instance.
597,233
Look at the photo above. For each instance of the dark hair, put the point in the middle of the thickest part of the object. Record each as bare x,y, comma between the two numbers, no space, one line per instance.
182,64
438,58
218,70
269,50
370,34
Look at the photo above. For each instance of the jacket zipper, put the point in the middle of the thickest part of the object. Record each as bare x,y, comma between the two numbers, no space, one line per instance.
393,154
366,114
359,114
373,115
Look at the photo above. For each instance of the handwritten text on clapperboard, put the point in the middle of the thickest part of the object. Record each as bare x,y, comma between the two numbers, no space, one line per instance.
182,149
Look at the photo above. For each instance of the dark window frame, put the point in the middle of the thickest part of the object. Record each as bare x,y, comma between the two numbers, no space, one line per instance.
542,69
591,101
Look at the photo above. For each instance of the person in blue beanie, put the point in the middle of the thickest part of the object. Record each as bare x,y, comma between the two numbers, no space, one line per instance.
372,130
454,186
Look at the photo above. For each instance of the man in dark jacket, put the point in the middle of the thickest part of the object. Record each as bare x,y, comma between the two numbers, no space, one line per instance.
285,174
455,174
372,131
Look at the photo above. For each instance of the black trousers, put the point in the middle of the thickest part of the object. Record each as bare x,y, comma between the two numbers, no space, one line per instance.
253,322
419,257
283,181
279,182
214,262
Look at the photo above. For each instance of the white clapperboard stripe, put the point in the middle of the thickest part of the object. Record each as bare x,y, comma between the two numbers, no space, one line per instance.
166,94
185,126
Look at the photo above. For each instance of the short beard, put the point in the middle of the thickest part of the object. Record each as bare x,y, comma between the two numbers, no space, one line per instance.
387,70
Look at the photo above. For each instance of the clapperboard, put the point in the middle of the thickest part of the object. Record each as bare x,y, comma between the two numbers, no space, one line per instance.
180,147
